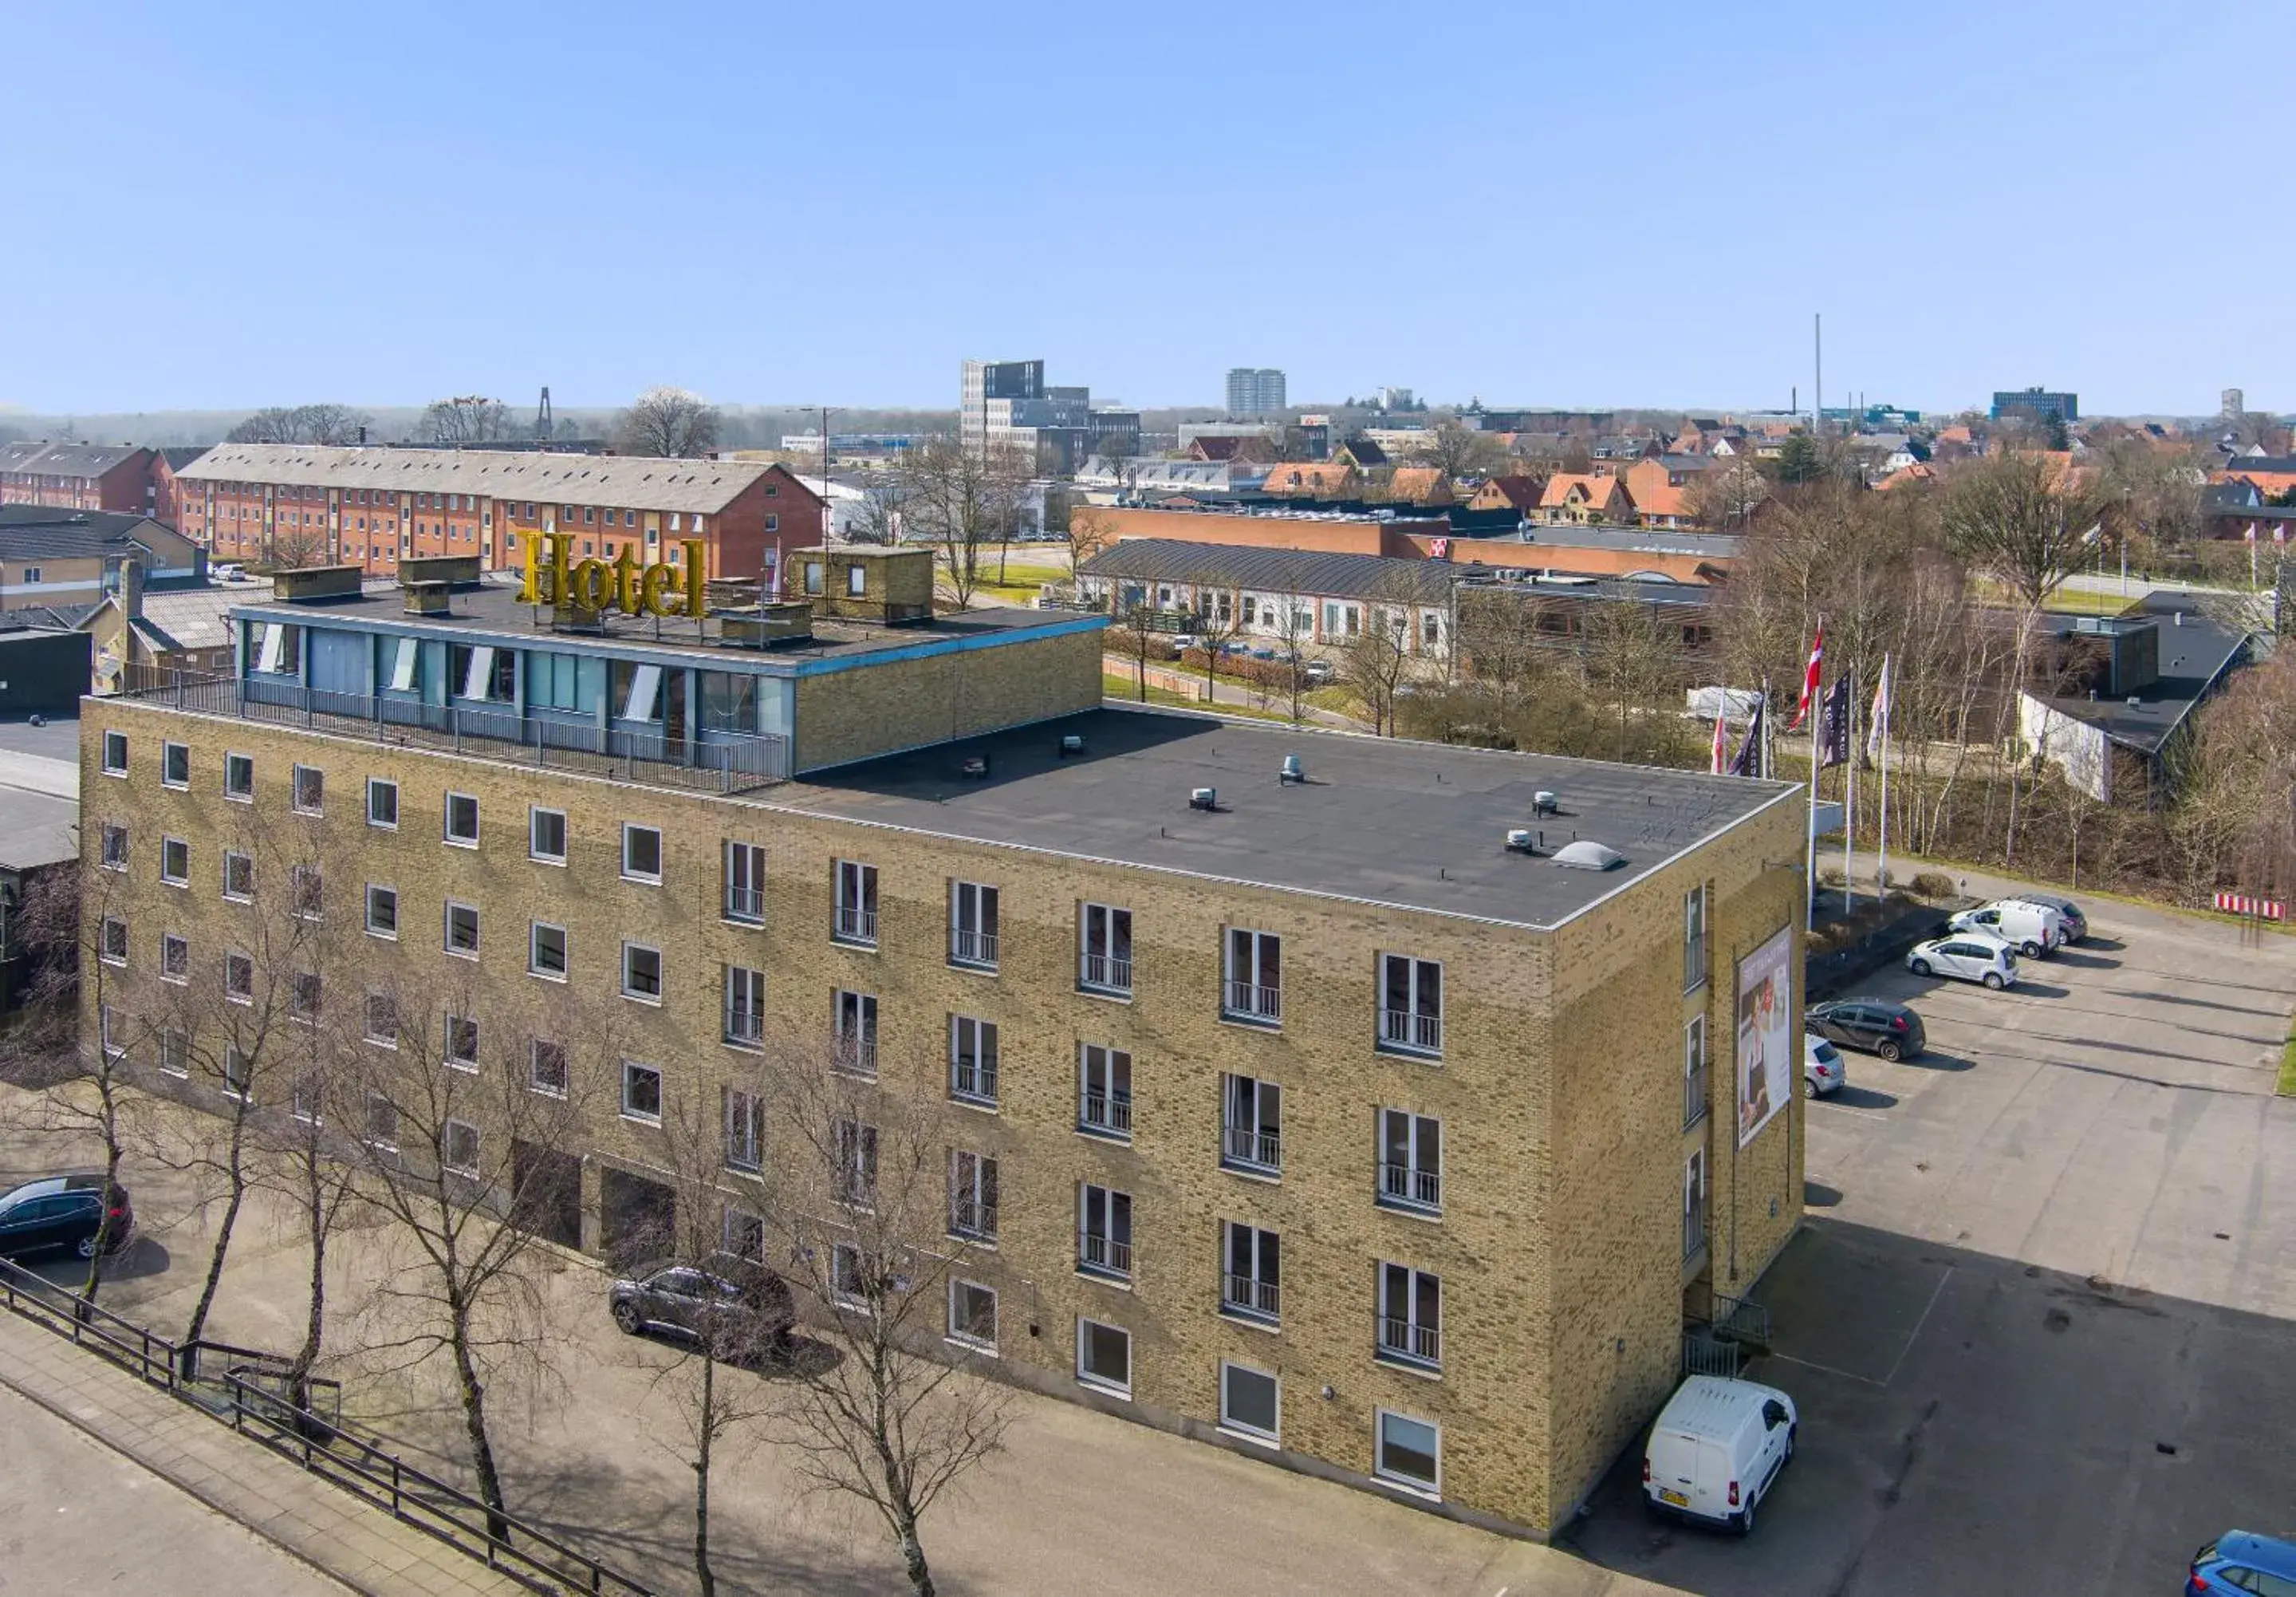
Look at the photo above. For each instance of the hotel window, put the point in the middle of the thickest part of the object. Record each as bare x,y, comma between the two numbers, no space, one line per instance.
175,957
1254,989
640,853
642,973
382,911
1105,1357
971,1195
1103,1231
742,1236
462,929
545,1066
1251,1285
238,877
546,950
1409,1453
238,1072
745,1130
458,1149
303,994
745,1006
463,819
1693,1202
1104,951
115,847
382,803
309,789
1693,938
857,580
1410,1316
175,765
1105,1092
973,1060
1694,1072
1410,1161
855,1182
483,672
745,883
175,1053
972,925
545,835
1251,1402
238,777
1410,1004
857,903
239,978
175,861
972,1315
462,1043
641,1093
635,688
729,701
552,682
853,1034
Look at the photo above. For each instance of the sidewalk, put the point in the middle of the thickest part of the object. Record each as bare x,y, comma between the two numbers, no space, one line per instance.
322,1525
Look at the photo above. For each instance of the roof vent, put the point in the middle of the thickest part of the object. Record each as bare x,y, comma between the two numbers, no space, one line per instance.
1545,802
1203,798
1293,771
975,765
1070,743
1587,854
2134,703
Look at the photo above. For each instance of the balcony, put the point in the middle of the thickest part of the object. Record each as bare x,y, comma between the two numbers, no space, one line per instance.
1251,1148
1694,1092
1105,1113
1406,1187
1249,1298
972,1218
1106,973
746,905
1250,1002
853,1056
1405,1342
976,948
974,1084
746,1028
1103,1255
855,924
722,762
1407,1032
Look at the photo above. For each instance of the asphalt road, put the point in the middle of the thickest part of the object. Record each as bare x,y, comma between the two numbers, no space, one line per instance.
77,1516
2039,1321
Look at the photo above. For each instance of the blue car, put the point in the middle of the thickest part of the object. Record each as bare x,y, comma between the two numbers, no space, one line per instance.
2241,1561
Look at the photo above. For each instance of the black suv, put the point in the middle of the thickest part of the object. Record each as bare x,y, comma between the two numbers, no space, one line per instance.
693,1302
1872,1026
63,1213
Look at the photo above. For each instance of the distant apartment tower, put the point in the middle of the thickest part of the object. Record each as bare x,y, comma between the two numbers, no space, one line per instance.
987,380
1255,390
2036,404
1007,404
2234,405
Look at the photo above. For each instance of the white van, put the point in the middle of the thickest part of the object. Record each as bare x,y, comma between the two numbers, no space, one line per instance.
1717,1448
2034,930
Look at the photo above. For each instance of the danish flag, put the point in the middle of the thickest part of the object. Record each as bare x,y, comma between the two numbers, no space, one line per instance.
1809,677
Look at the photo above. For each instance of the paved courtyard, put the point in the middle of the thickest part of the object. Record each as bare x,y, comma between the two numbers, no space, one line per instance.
2041,1321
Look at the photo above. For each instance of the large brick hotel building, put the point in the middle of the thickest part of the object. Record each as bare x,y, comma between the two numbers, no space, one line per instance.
376,506
1325,1121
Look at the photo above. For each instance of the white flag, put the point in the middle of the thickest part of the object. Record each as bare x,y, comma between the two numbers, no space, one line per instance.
1878,723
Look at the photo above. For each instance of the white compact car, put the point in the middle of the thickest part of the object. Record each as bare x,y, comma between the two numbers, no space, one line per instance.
1822,1070
2035,930
1967,957
1716,1449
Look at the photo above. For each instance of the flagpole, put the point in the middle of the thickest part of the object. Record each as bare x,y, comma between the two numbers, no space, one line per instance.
1849,809
1809,865
1882,849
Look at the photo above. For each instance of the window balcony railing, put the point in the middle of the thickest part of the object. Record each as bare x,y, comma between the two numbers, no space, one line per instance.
1410,1343
1103,1255
856,924
1407,1029
746,905
742,1153
854,1191
1694,1090
971,1217
1250,1001
1252,1146
1106,973
974,1083
1249,1296
973,948
1404,1186
1108,1114
853,1056
1694,1231
745,1027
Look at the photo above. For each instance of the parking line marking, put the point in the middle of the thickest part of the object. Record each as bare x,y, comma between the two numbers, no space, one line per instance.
1825,1369
1924,1321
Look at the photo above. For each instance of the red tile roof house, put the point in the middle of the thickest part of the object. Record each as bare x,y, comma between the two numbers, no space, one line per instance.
1661,490
1585,499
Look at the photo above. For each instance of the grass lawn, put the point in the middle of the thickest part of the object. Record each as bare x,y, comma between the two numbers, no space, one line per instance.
2288,1067
1113,686
2073,601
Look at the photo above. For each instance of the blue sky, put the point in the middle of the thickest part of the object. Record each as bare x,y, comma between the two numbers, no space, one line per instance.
1543,202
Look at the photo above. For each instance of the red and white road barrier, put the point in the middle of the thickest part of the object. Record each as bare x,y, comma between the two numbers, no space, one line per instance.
2242,903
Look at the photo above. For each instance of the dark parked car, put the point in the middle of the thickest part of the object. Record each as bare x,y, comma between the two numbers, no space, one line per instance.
2076,923
2241,1561
683,1300
1872,1026
63,1213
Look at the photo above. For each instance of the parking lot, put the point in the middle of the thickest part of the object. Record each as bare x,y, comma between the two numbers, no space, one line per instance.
2039,1321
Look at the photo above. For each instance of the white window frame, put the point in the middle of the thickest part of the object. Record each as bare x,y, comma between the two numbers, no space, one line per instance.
389,934
307,893
447,1160
1247,958
734,1225
1116,970
534,965
853,921
175,1058
1412,1175
745,1116
1409,1357
744,896
1410,1030
855,1049
242,995
975,1187
115,743
242,895
446,930
631,1070
1249,1432
983,1040
1108,1267
449,1048
178,943
534,849
973,946
1697,910
534,1083
1263,1304
295,796
630,991
168,752
244,763
182,876
388,1038
107,857
1093,1380
1250,1140
1404,1483
112,934
958,1331
448,834
1116,1122
376,786
744,983
631,830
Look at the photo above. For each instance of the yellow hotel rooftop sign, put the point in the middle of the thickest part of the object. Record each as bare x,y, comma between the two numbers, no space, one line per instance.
619,584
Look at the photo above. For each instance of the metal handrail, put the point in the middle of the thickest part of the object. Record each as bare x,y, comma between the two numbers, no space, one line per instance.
1107,1112
1251,1145
1408,1339
1407,1028
1410,1184
856,924
973,948
975,1082
1254,1001
1103,1254
1105,973
1249,1295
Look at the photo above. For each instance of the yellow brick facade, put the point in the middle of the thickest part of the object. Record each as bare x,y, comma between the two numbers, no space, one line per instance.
1558,1088
880,708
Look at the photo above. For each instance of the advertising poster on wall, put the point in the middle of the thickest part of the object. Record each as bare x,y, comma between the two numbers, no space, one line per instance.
1769,1052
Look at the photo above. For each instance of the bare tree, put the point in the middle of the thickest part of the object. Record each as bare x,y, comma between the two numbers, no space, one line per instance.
1458,450
881,1210
1379,656
1295,629
1091,529
674,422
884,505
961,499
292,549
1725,497
1634,667
465,419
321,424
1218,624
1135,632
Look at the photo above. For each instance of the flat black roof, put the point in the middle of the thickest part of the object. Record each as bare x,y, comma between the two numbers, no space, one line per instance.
1417,825
2198,643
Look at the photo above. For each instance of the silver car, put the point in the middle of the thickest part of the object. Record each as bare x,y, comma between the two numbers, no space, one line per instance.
1967,957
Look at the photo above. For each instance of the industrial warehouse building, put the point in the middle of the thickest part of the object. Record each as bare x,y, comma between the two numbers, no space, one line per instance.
1322,1117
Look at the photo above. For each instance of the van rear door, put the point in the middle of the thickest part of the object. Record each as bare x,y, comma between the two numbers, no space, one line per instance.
1691,1471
